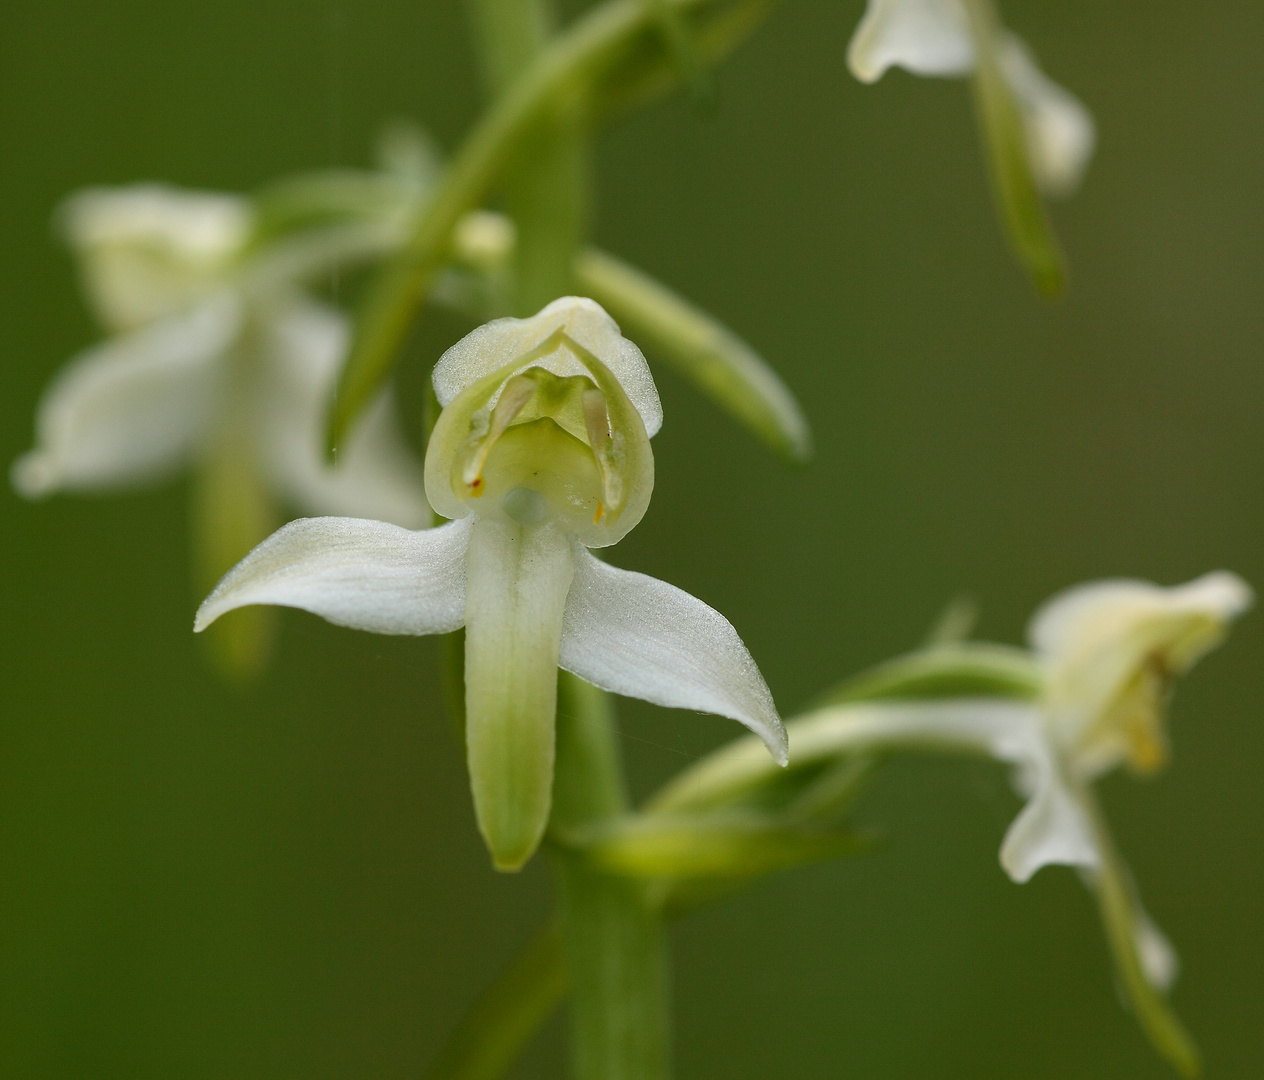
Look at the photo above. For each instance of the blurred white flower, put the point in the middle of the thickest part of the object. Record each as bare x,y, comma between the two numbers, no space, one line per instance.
1111,650
1108,652
935,37
207,334
542,452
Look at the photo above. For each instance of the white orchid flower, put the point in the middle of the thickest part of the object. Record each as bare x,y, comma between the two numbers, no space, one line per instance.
220,363
541,453
200,342
936,38
1090,696
1108,652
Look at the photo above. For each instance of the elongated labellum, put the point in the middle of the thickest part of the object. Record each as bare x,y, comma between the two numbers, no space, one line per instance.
518,579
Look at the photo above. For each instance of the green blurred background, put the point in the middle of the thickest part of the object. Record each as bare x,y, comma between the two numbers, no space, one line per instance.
286,882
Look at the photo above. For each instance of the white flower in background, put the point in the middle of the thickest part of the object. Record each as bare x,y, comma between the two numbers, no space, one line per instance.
935,37
209,335
1108,652
1111,650
542,452
1089,697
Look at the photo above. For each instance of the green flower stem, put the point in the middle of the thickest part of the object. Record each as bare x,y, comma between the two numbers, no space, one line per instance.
1018,198
548,201
617,958
967,669
1117,902
560,74
615,939
546,185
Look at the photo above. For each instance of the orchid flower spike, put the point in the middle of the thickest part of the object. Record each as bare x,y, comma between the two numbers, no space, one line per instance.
541,453
938,38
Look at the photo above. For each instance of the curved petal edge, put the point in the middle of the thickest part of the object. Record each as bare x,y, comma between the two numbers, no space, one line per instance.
366,575
640,637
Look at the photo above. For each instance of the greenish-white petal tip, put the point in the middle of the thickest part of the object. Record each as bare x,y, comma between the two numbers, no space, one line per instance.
640,637
935,38
926,37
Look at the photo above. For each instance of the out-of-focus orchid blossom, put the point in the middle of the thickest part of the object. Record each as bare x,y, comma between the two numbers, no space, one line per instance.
1109,651
541,453
219,362
937,38
1089,696
203,339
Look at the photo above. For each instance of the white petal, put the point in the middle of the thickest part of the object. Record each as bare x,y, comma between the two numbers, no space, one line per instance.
367,575
1051,830
149,250
496,345
926,37
1065,616
376,475
132,408
1156,953
1077,612
640,637
518,580
1060,130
